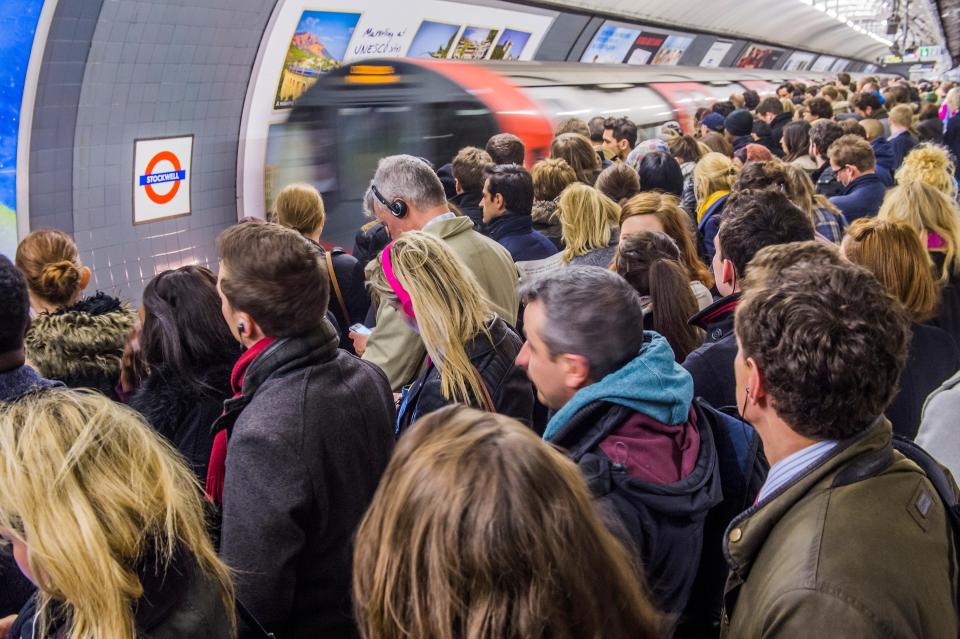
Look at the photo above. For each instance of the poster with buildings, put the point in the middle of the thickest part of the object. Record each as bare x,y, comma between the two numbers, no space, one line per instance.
511,45
475,43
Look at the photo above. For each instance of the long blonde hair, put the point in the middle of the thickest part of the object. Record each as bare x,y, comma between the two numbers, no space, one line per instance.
714,172
586,216
449,305
930,164
92,492
926,208
480,529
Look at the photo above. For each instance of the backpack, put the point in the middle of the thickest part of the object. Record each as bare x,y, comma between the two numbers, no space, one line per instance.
743,469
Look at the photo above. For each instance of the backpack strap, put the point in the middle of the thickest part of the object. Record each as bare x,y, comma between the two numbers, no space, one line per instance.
336,285
244,613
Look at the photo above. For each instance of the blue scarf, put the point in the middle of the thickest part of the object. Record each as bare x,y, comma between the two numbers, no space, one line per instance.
22,380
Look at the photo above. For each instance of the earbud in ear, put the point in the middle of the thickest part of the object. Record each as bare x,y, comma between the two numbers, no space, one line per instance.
241,327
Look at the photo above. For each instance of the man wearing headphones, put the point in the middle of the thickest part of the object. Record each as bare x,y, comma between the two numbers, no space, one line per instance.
406,195
752,220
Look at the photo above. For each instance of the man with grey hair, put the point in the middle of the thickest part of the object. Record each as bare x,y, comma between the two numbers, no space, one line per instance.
406,195
623,413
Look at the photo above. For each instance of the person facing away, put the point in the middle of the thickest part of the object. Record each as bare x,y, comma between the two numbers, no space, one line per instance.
713,178
469,166
186,353
550,178
752,220
470,351
300,207
506,148
623,413
17,378
823,133
902,134
106,520
406,195
892,251
507,204
650,262
76,340
303,442
804,559
505,528
853,162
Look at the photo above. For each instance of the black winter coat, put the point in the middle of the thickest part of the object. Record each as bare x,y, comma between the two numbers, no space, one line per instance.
826,181
182,603
510,389
308,441
469,204
776,126
948,316
515,233
711,365
932,359
184,412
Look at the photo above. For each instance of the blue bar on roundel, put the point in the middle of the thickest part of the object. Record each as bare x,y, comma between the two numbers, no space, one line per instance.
160,178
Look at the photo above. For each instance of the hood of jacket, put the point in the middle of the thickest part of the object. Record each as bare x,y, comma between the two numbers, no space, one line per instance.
546,212
651,383
81,341
165,397
883,150
20,381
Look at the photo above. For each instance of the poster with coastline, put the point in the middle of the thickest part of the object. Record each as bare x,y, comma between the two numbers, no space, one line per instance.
510,46
475,43
19,20
672,50
433,40
611,44
318,45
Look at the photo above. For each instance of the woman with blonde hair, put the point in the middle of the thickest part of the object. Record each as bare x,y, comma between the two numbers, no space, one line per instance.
713,180
579,154
932,165
106,519
660,213
78,341
892,251
471,351
550,178
300,207
588,220
479,529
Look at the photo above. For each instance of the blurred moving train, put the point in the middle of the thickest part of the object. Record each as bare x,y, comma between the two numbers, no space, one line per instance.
352,117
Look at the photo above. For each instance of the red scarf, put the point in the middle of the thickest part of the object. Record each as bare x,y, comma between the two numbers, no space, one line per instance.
217,468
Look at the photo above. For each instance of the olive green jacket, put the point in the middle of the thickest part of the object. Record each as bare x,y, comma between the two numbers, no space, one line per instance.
396,348
845,550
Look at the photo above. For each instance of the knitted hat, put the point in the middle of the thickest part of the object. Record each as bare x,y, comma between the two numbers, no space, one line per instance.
738,123
713,121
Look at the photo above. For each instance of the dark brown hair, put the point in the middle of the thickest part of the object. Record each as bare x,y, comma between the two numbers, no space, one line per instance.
820,107
50,262
684,148
717,143
579,154
650,262
274,275
830,344
853,150
618,182
480,529
469,166
796,137
506,148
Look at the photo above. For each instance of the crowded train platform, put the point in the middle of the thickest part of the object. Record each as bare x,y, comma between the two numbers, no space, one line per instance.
358,320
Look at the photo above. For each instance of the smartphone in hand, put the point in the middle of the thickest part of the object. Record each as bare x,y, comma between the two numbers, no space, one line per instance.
360,329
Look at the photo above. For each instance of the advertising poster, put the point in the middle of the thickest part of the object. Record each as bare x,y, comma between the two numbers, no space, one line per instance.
645,47
823,63
433,40
672,50
716,54
839,65
757,57
318,46
611,44
19,20
799,61
510,46
475,43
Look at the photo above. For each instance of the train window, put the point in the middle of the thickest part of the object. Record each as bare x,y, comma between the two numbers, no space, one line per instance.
450,126
366,134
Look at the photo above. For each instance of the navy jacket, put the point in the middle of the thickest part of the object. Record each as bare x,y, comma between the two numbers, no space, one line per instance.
469,204
861,198
516,234
901,145
711,365
886,159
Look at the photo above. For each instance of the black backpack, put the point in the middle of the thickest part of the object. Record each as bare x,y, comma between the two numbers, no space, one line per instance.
743,469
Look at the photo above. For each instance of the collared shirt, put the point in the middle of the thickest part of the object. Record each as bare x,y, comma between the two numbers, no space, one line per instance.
791,466
449,215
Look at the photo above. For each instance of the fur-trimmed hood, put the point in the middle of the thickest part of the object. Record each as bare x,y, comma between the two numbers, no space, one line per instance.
81,345
165,398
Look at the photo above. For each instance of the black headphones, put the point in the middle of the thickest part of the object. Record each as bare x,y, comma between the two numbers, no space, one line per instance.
398,208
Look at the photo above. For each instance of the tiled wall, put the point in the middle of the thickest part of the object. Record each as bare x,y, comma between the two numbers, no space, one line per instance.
153,68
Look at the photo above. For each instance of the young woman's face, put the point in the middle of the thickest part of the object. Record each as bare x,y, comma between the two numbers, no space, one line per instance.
20,553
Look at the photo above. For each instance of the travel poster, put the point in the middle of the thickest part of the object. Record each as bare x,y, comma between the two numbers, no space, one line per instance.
644,47
433,40
799,61
511,45
611,44
758,57
718,51
475,43
317,47
672,50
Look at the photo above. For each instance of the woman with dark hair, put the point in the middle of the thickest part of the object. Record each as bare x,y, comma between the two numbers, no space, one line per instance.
796,146
660,172
687,152
619,182
186,352
650,262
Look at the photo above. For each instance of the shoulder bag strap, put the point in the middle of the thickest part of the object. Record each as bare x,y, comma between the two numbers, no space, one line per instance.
336,288
485,398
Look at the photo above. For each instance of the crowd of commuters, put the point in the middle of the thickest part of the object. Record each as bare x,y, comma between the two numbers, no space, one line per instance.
614,395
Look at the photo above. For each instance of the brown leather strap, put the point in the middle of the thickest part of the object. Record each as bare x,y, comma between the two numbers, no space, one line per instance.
336,288
485,398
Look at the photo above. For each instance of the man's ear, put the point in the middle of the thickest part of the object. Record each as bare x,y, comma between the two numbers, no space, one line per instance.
84,277
756,382
728,273
456,186
499,202
576,371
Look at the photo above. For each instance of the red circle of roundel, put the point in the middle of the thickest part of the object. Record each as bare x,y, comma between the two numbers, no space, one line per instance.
153,195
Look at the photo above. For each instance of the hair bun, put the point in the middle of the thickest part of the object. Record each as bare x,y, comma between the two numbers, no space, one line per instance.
59,280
